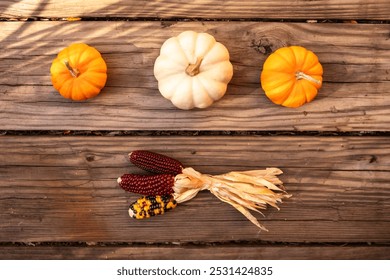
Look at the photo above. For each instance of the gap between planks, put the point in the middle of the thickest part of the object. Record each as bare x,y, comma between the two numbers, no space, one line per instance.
170,20
156,133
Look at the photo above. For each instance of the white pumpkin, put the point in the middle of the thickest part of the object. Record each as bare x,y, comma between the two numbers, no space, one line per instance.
193,70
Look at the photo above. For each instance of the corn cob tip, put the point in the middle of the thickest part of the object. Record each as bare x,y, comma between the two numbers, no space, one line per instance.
131,213
119,180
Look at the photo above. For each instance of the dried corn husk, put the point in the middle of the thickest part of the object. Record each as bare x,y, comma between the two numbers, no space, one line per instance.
247,190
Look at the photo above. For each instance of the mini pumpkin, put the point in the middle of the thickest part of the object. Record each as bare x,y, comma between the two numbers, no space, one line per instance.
79,72
291,76
193,70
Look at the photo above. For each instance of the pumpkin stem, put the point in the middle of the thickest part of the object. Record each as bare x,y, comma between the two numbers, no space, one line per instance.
74,72
193,69
300,75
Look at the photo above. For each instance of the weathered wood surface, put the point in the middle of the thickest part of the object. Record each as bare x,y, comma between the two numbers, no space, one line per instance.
355,95
210,9
63,189
60,195
197,252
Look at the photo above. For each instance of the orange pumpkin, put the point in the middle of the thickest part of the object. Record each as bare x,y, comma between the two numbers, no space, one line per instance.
79,72
291,76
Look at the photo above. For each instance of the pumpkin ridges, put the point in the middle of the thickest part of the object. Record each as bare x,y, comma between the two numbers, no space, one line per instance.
291,56
97,80
191,49
168,85
187,44
73,90
203,99
88,64
303,63
300,98
300,54
283,89
59,79
85,54
306,76
188,52
93,64
310,90
208,65
288,57
274,79
182,97
165,63
82,91
201,39
294,99
218,72
279,94
315,70
216,91
85,58
272,63
74,63
66,88
175,47
178,63
217,53
87,89
72,56
310,62
77,90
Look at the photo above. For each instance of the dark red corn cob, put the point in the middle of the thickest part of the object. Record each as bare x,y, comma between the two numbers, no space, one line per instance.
156,163
159,184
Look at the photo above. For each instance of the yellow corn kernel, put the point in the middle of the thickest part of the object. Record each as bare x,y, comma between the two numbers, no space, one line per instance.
148,206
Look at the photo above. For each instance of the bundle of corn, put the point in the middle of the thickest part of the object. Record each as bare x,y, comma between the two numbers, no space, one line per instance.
173,183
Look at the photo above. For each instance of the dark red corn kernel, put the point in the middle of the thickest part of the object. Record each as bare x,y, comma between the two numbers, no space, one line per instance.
159,184
156,163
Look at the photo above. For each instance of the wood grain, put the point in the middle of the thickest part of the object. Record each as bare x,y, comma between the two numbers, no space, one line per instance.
355,95
63,189
198,252
209,9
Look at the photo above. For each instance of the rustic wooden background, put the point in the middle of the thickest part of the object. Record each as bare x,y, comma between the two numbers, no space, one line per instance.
59,160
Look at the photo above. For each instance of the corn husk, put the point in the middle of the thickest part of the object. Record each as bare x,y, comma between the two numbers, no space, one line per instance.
247,190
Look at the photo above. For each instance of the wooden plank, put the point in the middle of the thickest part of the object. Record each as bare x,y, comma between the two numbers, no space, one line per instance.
276,9
355,95
64,189
197,252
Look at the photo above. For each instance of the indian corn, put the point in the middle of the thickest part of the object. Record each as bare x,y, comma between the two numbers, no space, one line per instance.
154,162
159,184
245,190
148,206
